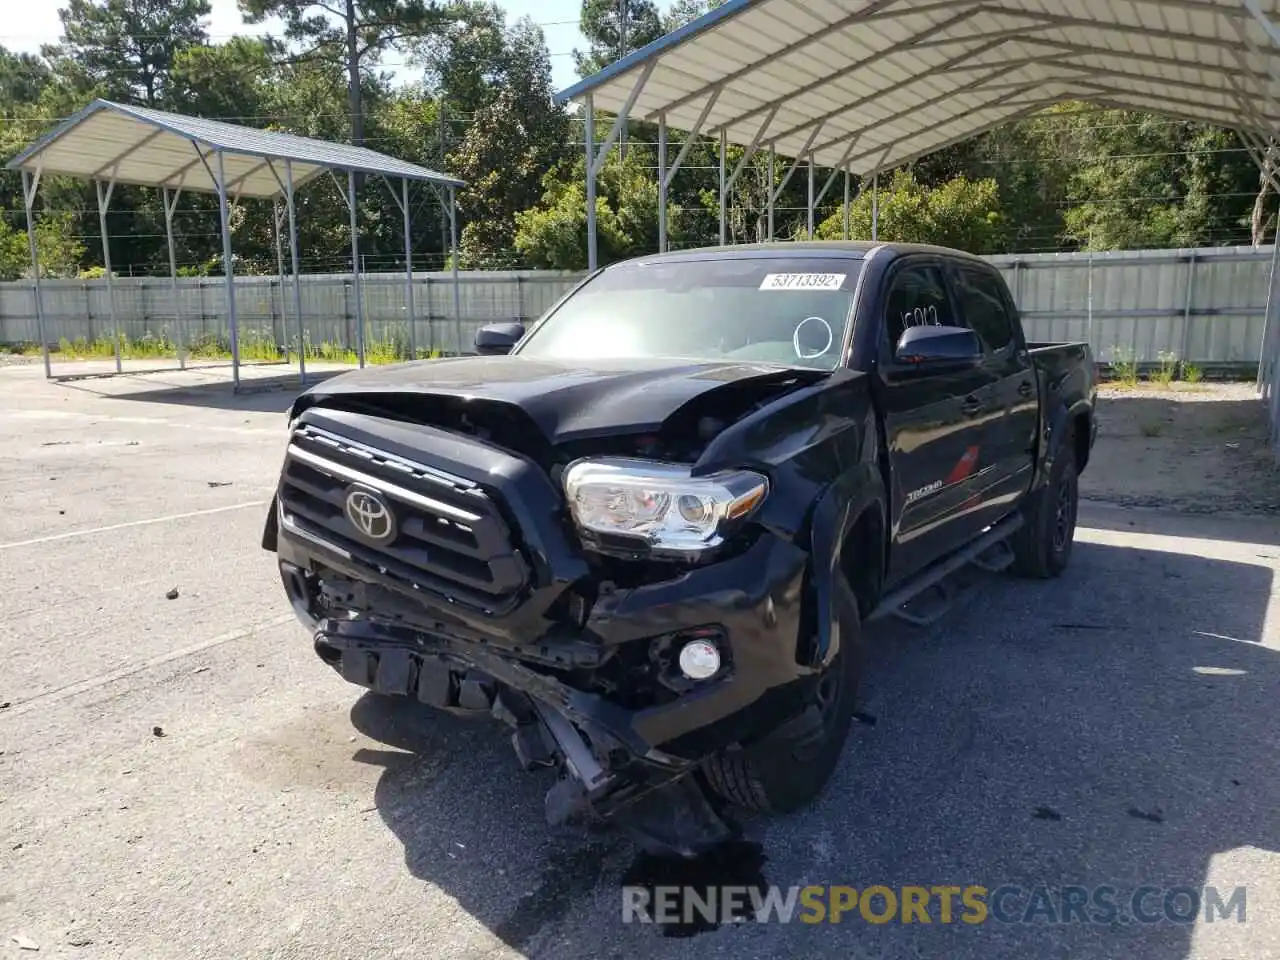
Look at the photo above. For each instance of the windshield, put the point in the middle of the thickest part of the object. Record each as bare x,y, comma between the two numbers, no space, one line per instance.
786,310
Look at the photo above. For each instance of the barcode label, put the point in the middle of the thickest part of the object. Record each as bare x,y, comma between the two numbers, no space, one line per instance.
802,281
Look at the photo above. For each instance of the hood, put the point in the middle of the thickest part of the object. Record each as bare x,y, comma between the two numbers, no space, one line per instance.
566,400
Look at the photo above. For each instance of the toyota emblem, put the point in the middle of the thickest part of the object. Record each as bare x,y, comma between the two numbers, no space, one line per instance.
370,515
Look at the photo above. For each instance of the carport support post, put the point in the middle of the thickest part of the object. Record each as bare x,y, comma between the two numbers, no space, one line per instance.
1266,380
170,205
29,187
228,269
410,314
662,183
1189,299
1270,358
355,265
293,262
875,205
589,107
1089,296
1274,398
845,231
773,155
277,216
809,203
724,148
104,200
453,245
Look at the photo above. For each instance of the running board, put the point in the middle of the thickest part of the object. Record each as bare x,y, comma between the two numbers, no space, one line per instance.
989,551
995,559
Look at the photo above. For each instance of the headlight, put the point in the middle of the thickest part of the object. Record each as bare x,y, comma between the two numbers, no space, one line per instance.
660,504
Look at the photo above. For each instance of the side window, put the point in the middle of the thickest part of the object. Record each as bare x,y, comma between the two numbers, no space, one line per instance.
984,307
917,297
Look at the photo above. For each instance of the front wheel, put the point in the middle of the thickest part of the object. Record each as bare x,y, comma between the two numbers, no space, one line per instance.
1042,546
787,772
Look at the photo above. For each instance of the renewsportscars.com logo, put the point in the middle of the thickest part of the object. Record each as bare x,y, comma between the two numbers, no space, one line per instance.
945,904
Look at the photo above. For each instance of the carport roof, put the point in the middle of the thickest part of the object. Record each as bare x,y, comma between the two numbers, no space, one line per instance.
153,148
871,84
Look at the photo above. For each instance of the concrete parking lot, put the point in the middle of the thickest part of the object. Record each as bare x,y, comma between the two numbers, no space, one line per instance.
181,777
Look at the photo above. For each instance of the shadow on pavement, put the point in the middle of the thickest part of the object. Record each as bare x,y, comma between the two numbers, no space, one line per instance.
1113,727
262,394
476,830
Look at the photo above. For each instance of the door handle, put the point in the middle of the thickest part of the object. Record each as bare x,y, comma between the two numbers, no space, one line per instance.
1024,388
971,407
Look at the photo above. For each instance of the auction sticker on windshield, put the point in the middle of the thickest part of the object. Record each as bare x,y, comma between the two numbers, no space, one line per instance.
802,281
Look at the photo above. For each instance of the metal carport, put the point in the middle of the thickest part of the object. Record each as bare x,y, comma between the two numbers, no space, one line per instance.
112,143
861,86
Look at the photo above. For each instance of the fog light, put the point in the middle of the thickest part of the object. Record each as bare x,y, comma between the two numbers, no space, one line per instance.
699,660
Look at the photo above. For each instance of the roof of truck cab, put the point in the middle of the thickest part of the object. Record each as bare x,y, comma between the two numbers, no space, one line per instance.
815,249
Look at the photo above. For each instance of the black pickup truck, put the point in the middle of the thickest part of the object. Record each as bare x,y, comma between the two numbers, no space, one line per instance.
647,531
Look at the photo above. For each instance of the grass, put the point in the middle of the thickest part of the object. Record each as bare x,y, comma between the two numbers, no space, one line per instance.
256,346
1170,374
22,349
1125,367
1152,429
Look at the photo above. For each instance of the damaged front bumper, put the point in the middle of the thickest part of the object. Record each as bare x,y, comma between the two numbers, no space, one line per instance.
622,763
585,672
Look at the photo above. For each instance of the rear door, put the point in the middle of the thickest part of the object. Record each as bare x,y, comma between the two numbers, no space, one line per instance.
1002,471
932,418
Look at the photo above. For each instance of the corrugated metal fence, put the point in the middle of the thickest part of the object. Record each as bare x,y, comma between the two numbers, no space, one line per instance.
144,308
1206,307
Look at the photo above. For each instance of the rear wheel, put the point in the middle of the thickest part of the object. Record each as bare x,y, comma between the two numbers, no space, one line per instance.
788,771
1042,546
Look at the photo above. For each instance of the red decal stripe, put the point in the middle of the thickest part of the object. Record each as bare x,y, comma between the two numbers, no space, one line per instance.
964,466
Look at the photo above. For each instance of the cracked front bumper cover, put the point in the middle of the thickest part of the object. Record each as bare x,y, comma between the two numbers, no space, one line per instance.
400,644
656,800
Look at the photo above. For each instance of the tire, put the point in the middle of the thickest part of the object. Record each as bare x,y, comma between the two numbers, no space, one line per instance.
783,773
1042,545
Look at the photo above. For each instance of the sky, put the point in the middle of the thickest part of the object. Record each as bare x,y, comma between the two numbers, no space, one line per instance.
559,20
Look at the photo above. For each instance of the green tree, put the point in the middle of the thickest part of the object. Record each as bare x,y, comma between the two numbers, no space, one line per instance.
229,80
1134,180
960,213
686,11
125,48
60,251
614,28
22,77
553,235
512,142
465,60
351,35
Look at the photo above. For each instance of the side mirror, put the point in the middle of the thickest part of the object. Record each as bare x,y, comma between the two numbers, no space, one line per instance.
931,344
498,338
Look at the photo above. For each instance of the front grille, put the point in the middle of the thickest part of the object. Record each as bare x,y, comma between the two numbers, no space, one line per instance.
450,537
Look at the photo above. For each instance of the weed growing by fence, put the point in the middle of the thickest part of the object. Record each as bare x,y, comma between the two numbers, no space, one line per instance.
256,346
1168,371
1125,367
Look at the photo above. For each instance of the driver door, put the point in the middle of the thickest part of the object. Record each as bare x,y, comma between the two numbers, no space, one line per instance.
933,424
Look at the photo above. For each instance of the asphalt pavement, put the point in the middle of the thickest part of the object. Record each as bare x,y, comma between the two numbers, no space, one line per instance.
180,777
